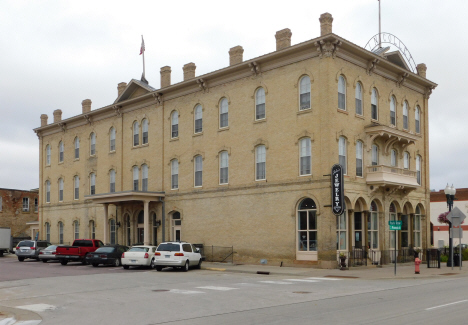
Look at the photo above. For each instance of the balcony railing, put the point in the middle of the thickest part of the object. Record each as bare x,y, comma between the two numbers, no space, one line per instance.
388,175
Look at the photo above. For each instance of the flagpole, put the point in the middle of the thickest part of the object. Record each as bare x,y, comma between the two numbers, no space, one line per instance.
143,42
380,29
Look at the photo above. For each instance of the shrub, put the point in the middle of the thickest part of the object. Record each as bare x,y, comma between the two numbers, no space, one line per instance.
444,258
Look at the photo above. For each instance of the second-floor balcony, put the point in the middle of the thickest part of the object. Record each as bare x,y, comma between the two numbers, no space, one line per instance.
389,176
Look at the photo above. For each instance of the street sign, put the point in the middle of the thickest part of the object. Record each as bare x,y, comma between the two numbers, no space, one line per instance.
456,233
456,217
395,224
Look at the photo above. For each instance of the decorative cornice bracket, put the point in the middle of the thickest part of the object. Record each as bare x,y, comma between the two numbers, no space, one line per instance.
88,119
202,84
254,67
63,126
327,49
371,65
402,79
118,111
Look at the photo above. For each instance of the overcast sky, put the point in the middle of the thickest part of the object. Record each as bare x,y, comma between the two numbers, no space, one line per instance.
54,54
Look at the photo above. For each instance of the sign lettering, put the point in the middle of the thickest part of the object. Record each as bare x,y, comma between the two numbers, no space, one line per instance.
337,190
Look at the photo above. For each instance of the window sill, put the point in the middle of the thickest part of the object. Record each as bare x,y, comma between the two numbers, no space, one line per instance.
174,139
197,134
92,156
372,120
305,175
144,145
60,163
359,116
260,180
47,166
112,152
175,189
76,159
226,128
304,111
339,110
260,121
223,184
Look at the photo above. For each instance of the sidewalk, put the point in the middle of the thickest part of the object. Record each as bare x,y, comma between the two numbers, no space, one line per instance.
404,271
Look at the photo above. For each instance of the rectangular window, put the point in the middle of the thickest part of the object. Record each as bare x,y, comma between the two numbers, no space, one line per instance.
260,111
417,230
341,232
305,101
60,233
198,125
392,118
47,226
372,230
77,153
175,174
77,230
374,112
93,184
36,205
260,170
144,179
223,120
25,204
135,178
198,171
112,231
47,192
405,122
112,145
305,157
145,136
224,168
77,188
175,130
359,165
112,181
404,231
358,106
342,154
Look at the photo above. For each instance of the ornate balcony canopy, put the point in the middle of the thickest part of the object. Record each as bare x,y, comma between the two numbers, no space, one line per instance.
390,135
391,178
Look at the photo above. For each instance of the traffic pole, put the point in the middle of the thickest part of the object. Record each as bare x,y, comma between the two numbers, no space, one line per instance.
395,254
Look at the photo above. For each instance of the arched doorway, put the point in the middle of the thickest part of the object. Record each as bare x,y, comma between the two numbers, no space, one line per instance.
141,227
176,226
306,234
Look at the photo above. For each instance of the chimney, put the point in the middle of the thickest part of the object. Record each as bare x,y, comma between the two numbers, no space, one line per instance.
189,71
44,118
120,88
326,21
86,105
57,115
236,55
283,39
421,69
165,76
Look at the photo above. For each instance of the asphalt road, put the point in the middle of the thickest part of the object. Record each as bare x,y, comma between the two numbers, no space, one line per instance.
108,295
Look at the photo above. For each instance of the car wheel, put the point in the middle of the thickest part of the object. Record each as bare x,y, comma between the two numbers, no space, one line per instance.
64,262
152,264
186,266
21,259
44,261
95,264
116,262
199,264
158,268
125,267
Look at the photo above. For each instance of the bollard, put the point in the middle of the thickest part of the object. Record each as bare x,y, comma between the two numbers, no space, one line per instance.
417,261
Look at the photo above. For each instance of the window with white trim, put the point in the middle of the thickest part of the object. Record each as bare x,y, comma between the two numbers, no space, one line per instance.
359,160
341,242
260,112
144,126
307,239
198,116
174,174
92,229
358,98
223,167
373,227
77,148
76,191
224,113
260,163
393,111
417,118
48,152
112,231
47,191
92,182
305,157
342,93
25,204
418,169
406,163
112,139
92,149
393,158
112,181
405,115
60,189
375,155
136,178
144,178
198,170
76,230
61,151
374,103
47,231
60,226
136,134
342,154
304,93
174,124
417,228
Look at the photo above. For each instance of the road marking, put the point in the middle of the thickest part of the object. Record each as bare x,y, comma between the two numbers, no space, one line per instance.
37,307
185,292
327,279
301,280
11,321
275,282
217,288
452,303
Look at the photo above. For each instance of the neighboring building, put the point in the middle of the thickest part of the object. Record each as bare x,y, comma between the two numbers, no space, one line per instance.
440,231
19,210
241,156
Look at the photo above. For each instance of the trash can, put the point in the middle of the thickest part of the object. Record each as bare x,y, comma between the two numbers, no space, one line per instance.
456,259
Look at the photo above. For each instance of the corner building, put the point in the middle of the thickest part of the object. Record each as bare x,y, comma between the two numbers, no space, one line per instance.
241,156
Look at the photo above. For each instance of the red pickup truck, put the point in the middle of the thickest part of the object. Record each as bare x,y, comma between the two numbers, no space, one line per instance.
77,252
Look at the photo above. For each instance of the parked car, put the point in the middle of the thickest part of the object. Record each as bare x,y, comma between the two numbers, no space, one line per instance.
48,253
140,255
177,255
77,252
463,246
30,249
107,255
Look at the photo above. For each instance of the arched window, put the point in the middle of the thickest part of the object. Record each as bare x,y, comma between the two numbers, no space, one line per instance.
260,112
375,155
47,231
198,119
144,178
92,229
359,160
136,133
342,93
393,111
374,107
144,126
136,178
48,155
92,150
112,181
60,189
260,163
307,226
223,113
417,227
406,164
47,191
405,115
92,183
112,139
223,167
76,191
417,120
304,93
358,96
76,230
373,227
198,170
174,124
174,174
112,231
77,148
418,169
61,151
393,158
305,157
60,229
342,154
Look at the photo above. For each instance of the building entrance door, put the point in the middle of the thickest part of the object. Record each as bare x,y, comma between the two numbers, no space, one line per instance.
358,230
176,226
140,234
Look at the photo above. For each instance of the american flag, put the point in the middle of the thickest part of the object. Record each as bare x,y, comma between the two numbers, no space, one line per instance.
142,49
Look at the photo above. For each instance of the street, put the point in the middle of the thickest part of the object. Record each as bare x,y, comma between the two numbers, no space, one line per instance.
80,294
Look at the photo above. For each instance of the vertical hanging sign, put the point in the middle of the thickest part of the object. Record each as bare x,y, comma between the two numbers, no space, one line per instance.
337,189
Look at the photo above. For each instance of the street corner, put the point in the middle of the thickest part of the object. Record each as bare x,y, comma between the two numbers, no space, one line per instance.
19,315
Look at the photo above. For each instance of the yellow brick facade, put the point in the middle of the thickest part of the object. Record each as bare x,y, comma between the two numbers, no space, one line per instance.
259,218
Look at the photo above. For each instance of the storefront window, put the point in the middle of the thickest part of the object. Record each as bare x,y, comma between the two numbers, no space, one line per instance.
307,226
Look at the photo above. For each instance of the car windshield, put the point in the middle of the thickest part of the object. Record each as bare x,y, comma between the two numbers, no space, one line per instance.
105,250
51,247
169,247
138,249
26,243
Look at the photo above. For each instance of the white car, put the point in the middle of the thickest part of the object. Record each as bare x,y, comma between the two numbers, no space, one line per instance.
177,255
140,255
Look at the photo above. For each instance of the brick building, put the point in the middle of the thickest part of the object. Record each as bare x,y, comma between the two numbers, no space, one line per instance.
240,156
19,210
